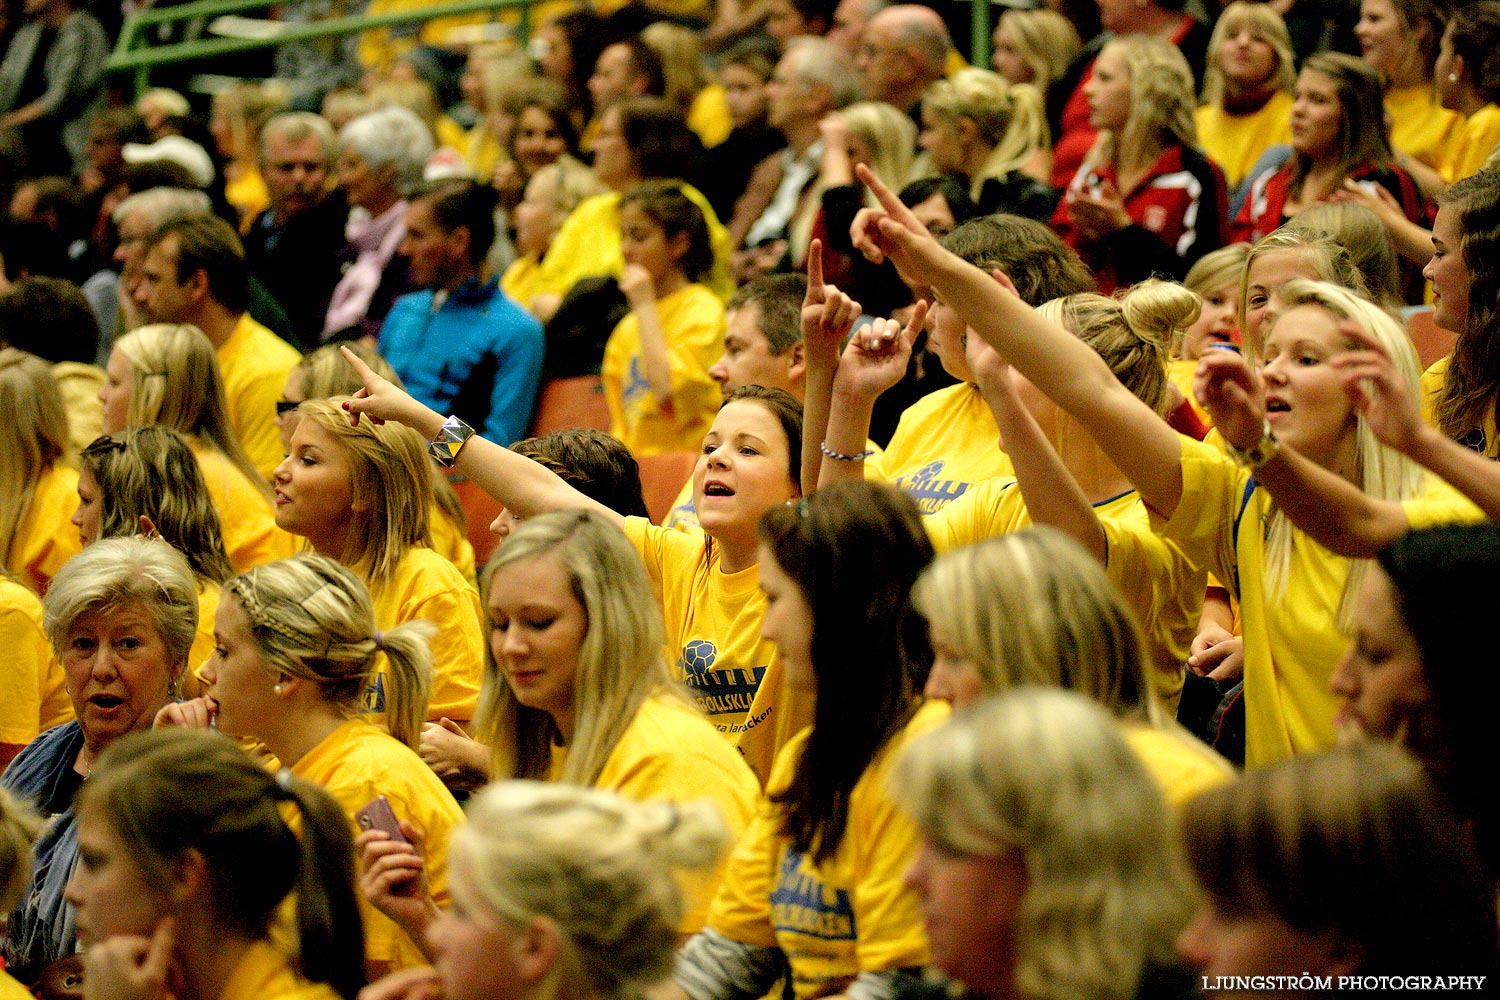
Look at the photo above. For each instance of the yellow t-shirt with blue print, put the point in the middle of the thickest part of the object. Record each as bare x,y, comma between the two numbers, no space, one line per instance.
670,753
692,320
850,914
945,443
1292,641
427,587
1162,585
714,643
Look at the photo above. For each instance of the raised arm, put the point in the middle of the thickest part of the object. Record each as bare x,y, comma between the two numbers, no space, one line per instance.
1059,364
524,487
874,361
820,348
1051,493
1381,396
1333,511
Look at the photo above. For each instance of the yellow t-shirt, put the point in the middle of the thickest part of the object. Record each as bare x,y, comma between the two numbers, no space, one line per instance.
945,443
1420,126
1292,642
714,643
254,363
264,973
522,280
449,541
79,385
1164,588
1181,372
692,318
356,763
246,518
1432,390
709,116
850,914
588,245
1235,142
29,666
670,753
1182,767
10,989
380,48
45,537
427,586
245,190
1476,139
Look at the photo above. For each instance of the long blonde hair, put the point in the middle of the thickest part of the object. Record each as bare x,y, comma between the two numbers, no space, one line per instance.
1266,26
1161,103
1382,473
391,475
1045,40
1010,118
620,663
312,618
175,382
33,436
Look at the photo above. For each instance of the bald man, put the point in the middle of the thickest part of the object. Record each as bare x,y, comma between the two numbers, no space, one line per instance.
903,49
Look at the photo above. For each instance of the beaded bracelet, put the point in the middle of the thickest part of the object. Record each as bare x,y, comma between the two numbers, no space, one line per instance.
839,456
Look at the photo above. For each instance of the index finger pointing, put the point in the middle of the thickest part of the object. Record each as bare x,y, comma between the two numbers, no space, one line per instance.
888,200
361,369
815,271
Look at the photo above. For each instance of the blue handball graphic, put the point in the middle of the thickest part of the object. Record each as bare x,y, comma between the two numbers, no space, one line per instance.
698,656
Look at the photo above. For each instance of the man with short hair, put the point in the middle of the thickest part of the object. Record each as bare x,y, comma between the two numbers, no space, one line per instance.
194,272
293,246
903,50
627,68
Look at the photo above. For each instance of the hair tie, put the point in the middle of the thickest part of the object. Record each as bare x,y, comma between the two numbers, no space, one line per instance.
379,640
284,784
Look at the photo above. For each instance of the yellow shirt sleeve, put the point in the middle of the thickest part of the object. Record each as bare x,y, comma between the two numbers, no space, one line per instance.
45,538
27,667
1182,767
247,520
254,363
427,587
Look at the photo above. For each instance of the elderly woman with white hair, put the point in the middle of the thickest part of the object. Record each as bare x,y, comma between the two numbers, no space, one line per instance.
381,157
121,617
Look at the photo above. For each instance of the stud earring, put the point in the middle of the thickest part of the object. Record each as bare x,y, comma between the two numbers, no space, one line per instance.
276,688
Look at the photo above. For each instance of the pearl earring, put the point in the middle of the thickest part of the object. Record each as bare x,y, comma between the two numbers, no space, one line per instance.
1452,77
276,688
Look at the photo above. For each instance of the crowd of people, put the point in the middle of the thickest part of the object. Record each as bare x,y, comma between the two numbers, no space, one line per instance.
1093,476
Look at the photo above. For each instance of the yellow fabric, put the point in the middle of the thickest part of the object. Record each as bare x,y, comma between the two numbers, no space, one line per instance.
254,363
450,542
1475,140
45,538
265,974
10,989
451,134
481,150
945,443
850,914
28,664
692,321
1292,642
380,48
245,190
203,639
356,763
1163,587
670,753
681,8
79,385
1181,372
588,245
714,643
246,518
1235,142
1432,389
709,116
427,586
1420,126
1182,767
522,280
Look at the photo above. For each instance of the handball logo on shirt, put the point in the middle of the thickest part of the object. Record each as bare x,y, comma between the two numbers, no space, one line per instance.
372,698
718,692
802,903
931,493
635,385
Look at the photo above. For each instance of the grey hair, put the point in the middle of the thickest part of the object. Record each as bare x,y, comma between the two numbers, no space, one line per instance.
294,126
391,136
821,61
161,204
121,571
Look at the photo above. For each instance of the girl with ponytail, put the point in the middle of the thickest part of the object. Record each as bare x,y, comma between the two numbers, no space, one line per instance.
297,655
186,855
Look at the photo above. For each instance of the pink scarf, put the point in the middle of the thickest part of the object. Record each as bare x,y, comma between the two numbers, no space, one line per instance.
375,240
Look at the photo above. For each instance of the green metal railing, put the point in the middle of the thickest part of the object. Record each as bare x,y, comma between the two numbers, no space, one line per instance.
128,57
